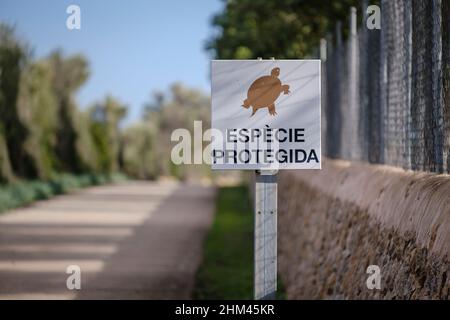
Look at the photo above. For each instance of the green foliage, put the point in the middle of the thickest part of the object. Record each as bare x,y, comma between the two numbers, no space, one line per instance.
42,131
68,74
227,268
284,29
6,172
38,107
105,118
147,147
140,151
13,56
86,145
226,271
22,193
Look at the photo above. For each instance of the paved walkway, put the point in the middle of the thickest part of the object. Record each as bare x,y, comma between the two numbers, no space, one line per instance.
137,240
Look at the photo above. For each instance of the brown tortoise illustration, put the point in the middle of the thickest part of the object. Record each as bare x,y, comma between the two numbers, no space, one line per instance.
264,91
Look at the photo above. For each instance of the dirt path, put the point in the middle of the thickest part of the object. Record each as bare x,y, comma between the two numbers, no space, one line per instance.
136,240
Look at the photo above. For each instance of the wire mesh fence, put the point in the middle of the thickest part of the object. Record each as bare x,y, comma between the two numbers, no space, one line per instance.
386,91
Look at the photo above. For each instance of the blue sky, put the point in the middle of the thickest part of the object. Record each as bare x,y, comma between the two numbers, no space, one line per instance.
134,47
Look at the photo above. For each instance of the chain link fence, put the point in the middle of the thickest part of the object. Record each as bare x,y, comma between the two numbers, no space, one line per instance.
386,91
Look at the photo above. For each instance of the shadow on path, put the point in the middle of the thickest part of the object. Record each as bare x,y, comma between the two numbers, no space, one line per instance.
138,240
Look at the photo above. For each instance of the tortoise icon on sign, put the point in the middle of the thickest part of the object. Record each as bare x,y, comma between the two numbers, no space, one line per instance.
264,91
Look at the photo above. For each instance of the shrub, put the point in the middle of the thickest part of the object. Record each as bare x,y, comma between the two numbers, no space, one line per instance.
25,192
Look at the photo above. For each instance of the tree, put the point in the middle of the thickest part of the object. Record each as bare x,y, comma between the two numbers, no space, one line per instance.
68,74
105,119
284,29
14,158
147,145
140,153
38,108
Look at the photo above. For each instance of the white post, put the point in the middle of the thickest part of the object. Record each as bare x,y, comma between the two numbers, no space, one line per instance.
265,237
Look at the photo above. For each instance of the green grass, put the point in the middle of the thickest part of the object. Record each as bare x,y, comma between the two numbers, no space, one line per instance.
24,192
227,268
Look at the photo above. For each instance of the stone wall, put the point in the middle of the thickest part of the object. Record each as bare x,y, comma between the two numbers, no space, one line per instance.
335,222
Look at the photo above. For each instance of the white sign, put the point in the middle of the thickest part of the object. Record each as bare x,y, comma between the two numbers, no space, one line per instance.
265,114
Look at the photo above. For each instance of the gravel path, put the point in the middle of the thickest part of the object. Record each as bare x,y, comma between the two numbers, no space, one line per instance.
136,240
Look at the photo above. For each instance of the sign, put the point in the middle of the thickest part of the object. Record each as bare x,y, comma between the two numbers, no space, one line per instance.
265,114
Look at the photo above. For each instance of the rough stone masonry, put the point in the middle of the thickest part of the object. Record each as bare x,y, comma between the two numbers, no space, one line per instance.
335,222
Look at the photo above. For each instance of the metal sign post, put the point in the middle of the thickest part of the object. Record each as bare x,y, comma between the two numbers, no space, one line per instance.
265,237
266,117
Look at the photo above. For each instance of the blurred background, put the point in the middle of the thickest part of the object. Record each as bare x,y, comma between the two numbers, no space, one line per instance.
105,98
99,104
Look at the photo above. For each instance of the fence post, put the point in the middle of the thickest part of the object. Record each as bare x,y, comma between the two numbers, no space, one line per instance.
323,91
265,237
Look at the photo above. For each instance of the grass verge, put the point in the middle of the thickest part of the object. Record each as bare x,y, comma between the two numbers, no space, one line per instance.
227,268
22,193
